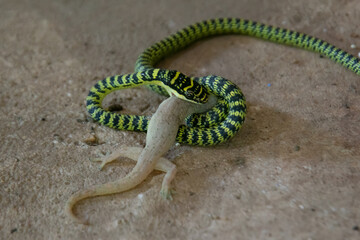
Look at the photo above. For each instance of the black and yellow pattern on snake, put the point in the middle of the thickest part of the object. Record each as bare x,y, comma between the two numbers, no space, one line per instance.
226,118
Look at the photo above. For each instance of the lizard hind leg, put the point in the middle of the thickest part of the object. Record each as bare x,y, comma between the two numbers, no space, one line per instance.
132,153
163,165
170,169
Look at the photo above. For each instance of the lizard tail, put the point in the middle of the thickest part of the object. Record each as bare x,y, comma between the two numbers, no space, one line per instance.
135,177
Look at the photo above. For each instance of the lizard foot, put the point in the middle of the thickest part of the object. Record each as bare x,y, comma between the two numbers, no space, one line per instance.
167,193
170,169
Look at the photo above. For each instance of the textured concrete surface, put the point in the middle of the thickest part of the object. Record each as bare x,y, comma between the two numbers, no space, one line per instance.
293,171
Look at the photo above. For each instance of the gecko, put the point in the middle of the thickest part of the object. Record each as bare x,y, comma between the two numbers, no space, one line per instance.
161,136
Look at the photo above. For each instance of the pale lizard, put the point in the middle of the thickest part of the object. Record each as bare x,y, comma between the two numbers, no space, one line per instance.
160,137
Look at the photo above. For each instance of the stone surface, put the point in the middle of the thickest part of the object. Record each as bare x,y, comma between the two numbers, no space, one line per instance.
292,172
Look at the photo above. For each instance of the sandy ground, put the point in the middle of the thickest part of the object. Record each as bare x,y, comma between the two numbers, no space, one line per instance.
292,172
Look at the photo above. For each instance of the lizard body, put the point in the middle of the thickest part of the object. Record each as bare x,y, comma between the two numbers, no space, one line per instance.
160,137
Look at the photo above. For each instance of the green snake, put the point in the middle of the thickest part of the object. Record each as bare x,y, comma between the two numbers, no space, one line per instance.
226,118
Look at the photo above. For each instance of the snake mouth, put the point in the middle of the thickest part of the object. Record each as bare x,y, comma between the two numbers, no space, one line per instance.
186,97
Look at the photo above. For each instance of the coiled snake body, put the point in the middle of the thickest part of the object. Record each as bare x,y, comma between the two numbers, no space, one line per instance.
226,118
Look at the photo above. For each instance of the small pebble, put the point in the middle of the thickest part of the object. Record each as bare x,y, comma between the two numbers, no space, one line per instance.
353,46
92,140
171,24
307,167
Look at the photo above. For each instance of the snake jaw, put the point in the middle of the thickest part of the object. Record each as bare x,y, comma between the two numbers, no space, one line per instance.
182,86
187,96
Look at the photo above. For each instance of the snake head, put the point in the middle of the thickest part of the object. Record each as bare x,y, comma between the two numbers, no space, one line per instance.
185,87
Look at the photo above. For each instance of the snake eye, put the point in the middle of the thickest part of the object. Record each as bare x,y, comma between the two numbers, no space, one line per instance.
189,94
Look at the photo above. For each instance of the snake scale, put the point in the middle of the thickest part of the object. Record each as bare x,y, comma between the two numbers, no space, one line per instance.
227,116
